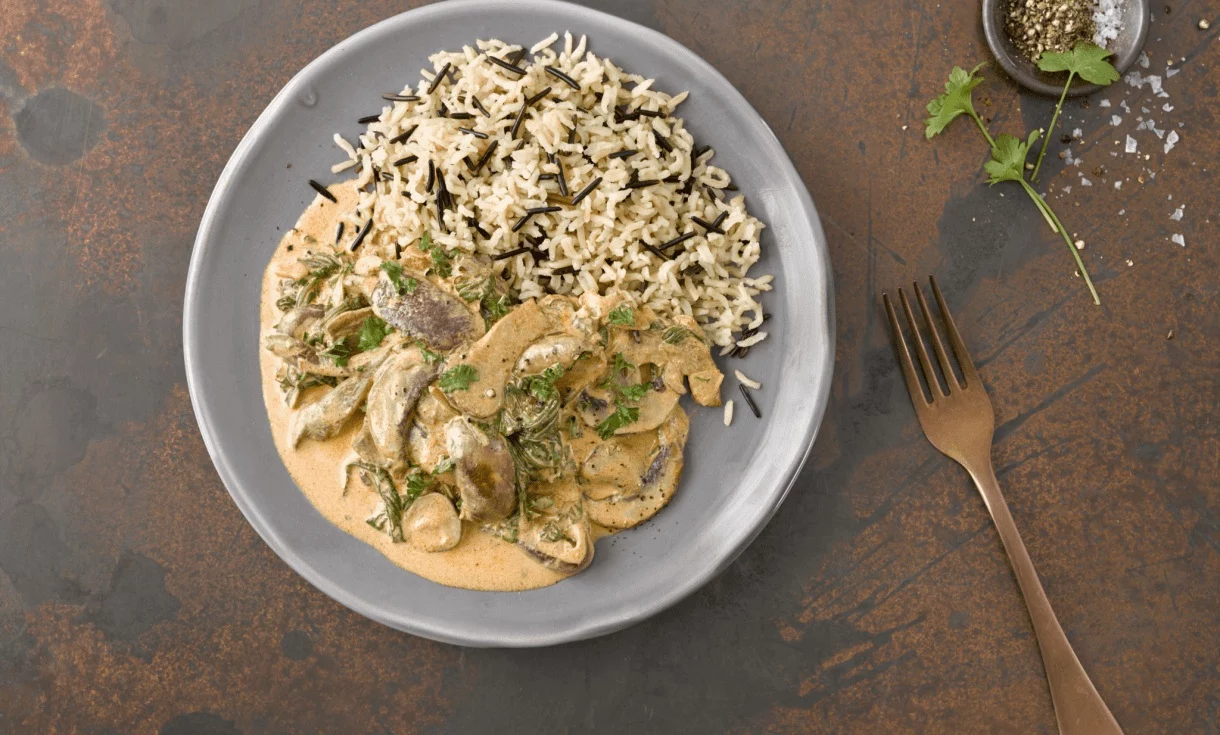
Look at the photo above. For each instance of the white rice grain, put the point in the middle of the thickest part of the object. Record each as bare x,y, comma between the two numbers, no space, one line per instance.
602,237
728,412
746,381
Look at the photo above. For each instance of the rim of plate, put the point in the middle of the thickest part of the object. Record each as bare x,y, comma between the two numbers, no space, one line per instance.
447,630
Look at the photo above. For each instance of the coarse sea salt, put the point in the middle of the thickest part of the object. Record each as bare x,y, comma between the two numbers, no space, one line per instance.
1171,140
1132,146
1085,182
1107,20
1104,103
1179,240
1177,214
1115,120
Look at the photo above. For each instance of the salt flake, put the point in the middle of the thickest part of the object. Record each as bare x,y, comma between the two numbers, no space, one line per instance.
1171,140
1177,214
1115,120
1178,240
1132,146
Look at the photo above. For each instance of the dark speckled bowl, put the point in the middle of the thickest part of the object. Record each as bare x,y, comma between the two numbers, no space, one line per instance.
736,478
1126,49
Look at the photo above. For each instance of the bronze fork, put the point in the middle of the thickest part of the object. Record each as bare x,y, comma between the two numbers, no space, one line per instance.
958,420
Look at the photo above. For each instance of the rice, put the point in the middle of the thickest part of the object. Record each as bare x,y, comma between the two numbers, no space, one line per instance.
626,232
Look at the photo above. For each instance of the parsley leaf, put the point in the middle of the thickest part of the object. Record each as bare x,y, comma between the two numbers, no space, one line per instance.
372,331
677,335
955,100
403,284
442,262
1086,60
623,316
622,416
339,352
621,363
458,377
634,392
543,386
1008,158
429,356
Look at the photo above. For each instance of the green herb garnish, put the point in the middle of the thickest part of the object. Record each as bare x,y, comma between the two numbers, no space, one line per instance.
1007,154
429,356
624,316
622,416
442,262
403,284
676,335
542,386
372,331
634,392
379,479
458,377
339,352
1085,60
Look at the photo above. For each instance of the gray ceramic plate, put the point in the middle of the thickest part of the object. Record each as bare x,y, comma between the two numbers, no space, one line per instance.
736,478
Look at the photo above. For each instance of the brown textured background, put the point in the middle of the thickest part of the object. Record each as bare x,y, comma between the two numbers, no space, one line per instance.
135,599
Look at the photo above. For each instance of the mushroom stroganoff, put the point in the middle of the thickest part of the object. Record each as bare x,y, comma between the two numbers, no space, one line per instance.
477,442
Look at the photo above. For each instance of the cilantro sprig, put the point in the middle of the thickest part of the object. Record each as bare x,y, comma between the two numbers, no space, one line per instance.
372,331
1008,154
623,316
625,394
1085,60
458,377
403,284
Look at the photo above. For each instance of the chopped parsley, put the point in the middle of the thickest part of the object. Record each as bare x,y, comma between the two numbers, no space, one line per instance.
429,356
542,386
458,377
622,416
623,316
372,331
442,262
676,335
339,352
403,284
634,392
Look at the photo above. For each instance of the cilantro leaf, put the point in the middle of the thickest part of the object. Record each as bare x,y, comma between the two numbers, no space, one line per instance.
442,262
429,356
1008,158
372,331
954,101
543,386
621,363
403,284
1085,60
458,377
622,416
634,392
623,316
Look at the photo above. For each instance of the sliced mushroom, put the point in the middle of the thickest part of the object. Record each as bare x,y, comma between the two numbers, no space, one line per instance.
345,323
552,350
560,542
641,498
432,524
584,371
494,356
596,404
485,472
427,313
325,417
306,359
426,442
396,388
687,356
298,319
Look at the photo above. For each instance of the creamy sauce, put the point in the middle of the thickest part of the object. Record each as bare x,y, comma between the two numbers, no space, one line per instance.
479,561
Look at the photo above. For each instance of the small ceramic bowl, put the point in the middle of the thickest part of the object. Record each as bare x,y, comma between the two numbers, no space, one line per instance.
1126,49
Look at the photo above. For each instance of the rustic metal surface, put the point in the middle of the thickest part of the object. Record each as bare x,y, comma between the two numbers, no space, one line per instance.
134,598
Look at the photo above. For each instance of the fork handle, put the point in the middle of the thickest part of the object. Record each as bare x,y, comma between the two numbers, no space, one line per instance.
1078,707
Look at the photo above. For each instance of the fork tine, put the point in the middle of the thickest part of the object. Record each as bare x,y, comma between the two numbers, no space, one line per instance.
929,374
934,338
969,374
904,355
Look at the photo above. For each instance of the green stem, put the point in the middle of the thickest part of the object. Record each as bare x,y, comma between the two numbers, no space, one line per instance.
982,127
1054,119
1042,208
1075,253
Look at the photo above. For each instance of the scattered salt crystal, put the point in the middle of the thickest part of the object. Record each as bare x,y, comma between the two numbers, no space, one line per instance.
1171,72
1171,140
1107,21
1067,189
1177,214
1085,182
1132,146
1145,62
1118,184
1169,198
1121,212
1129,263
1104,103
1145,110
1077,133
1123,104
1115,120
1178,240
1167,107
